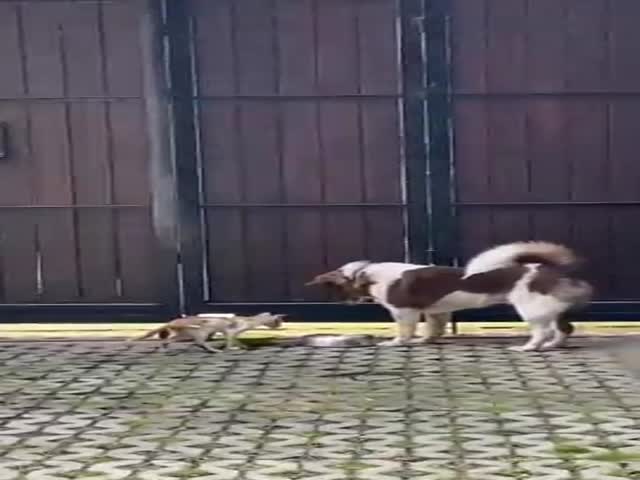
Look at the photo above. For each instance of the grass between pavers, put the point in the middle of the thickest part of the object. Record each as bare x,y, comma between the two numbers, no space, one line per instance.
107,330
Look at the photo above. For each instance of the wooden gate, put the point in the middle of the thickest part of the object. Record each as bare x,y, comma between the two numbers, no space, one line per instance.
298,108
545,102
75,196
158,155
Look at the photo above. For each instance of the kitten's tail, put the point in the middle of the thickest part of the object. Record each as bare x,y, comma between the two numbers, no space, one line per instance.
162,332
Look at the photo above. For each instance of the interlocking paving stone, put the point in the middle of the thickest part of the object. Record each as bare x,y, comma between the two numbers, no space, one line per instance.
465,410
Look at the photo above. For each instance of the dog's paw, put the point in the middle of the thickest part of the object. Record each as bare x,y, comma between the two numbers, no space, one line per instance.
523,348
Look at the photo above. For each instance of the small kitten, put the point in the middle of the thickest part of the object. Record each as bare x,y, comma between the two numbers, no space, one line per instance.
200,328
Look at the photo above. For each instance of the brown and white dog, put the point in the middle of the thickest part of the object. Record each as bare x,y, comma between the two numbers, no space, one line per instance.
537,278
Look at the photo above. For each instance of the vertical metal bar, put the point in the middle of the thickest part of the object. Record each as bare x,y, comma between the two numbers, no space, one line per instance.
359,102
195,77
185,158
69,140
279,111
439,115
110,169
413,126
322,177
161,171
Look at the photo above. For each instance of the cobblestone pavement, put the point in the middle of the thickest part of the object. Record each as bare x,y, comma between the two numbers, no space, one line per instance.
468,409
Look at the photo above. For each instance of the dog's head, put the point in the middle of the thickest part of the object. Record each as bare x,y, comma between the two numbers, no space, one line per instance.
350,282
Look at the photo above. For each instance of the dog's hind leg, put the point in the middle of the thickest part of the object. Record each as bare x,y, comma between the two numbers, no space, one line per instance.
406,322
541,313
562,328
541,330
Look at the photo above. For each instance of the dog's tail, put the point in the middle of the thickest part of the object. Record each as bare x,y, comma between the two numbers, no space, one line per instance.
520,253
163,333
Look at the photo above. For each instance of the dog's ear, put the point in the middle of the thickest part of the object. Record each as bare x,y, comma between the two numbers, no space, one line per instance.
334,277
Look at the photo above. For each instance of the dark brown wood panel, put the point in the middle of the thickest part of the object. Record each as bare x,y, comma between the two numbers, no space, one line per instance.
80,46
93,184
474,231
227,260
377,46
57,241
69,148
11,80
18,257
385,234
137,253
120,42
50,138
214,38
304,177
303,166
345,236
98,261
624,37
624,143
296,42
306,252
546,45
506,22
545,149
504,46
625,238
381,151
254,39
91,146
508,225
337,47
260,130
471,136
266,253
587,45
507,150
592,237
134,240
342,154
16,171
223,172
469,45
550,167
129,153
42,32
587,148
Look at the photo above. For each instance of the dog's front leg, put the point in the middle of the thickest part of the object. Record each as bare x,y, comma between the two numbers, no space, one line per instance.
406,323
435,326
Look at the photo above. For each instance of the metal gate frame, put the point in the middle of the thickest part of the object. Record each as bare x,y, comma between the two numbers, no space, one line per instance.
430,204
